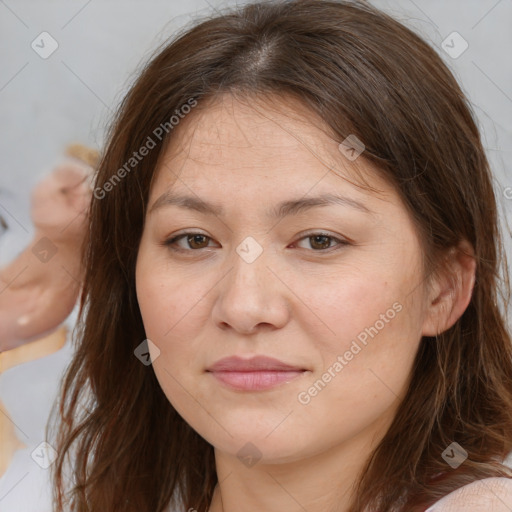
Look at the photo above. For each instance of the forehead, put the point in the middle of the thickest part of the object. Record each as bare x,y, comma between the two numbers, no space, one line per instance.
232,144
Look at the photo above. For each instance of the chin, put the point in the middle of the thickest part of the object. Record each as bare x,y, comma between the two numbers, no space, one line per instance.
47,216
50,227
273,445
262,449
53,224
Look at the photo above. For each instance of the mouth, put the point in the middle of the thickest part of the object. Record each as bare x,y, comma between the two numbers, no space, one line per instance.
255,374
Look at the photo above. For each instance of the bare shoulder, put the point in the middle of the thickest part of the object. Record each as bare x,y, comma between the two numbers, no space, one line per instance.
487,495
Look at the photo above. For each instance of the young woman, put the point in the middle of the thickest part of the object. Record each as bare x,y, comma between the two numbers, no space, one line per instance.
292,281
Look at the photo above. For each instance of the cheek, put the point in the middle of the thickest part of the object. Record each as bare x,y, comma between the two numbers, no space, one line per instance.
365,368
170,313
359,304
169,305
165,307
371,336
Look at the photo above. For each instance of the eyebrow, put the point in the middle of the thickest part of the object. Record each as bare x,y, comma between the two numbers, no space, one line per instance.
281,210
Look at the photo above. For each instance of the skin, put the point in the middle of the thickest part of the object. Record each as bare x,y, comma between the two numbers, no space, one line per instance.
298,302
38,293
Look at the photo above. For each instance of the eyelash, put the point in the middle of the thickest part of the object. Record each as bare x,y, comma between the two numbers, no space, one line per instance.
171,241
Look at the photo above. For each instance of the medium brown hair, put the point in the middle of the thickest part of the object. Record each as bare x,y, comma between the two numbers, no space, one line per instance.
362,73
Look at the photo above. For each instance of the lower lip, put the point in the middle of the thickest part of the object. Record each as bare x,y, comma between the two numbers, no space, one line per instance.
256,380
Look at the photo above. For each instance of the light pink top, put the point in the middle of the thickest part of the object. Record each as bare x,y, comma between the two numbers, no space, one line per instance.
487,495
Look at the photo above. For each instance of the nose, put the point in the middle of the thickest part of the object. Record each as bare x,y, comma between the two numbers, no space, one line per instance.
252,297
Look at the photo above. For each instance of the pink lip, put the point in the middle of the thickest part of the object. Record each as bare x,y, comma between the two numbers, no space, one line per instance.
254,374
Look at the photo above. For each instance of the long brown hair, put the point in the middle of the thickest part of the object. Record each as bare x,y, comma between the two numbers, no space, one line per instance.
362,73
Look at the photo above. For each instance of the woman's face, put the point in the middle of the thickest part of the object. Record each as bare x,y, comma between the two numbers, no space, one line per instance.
335,292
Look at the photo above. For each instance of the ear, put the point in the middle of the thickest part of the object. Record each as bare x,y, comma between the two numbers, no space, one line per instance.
451,290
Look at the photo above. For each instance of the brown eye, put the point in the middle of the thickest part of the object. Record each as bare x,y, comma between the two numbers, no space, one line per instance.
194,241
320,241
197,240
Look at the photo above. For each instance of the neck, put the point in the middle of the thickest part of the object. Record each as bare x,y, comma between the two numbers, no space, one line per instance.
323,482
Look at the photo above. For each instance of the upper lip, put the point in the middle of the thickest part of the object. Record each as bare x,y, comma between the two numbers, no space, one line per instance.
256,363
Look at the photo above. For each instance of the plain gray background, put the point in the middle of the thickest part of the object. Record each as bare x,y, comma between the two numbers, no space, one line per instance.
46,104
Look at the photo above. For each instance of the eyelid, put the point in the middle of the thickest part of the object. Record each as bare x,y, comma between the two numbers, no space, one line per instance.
168,242
341,241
